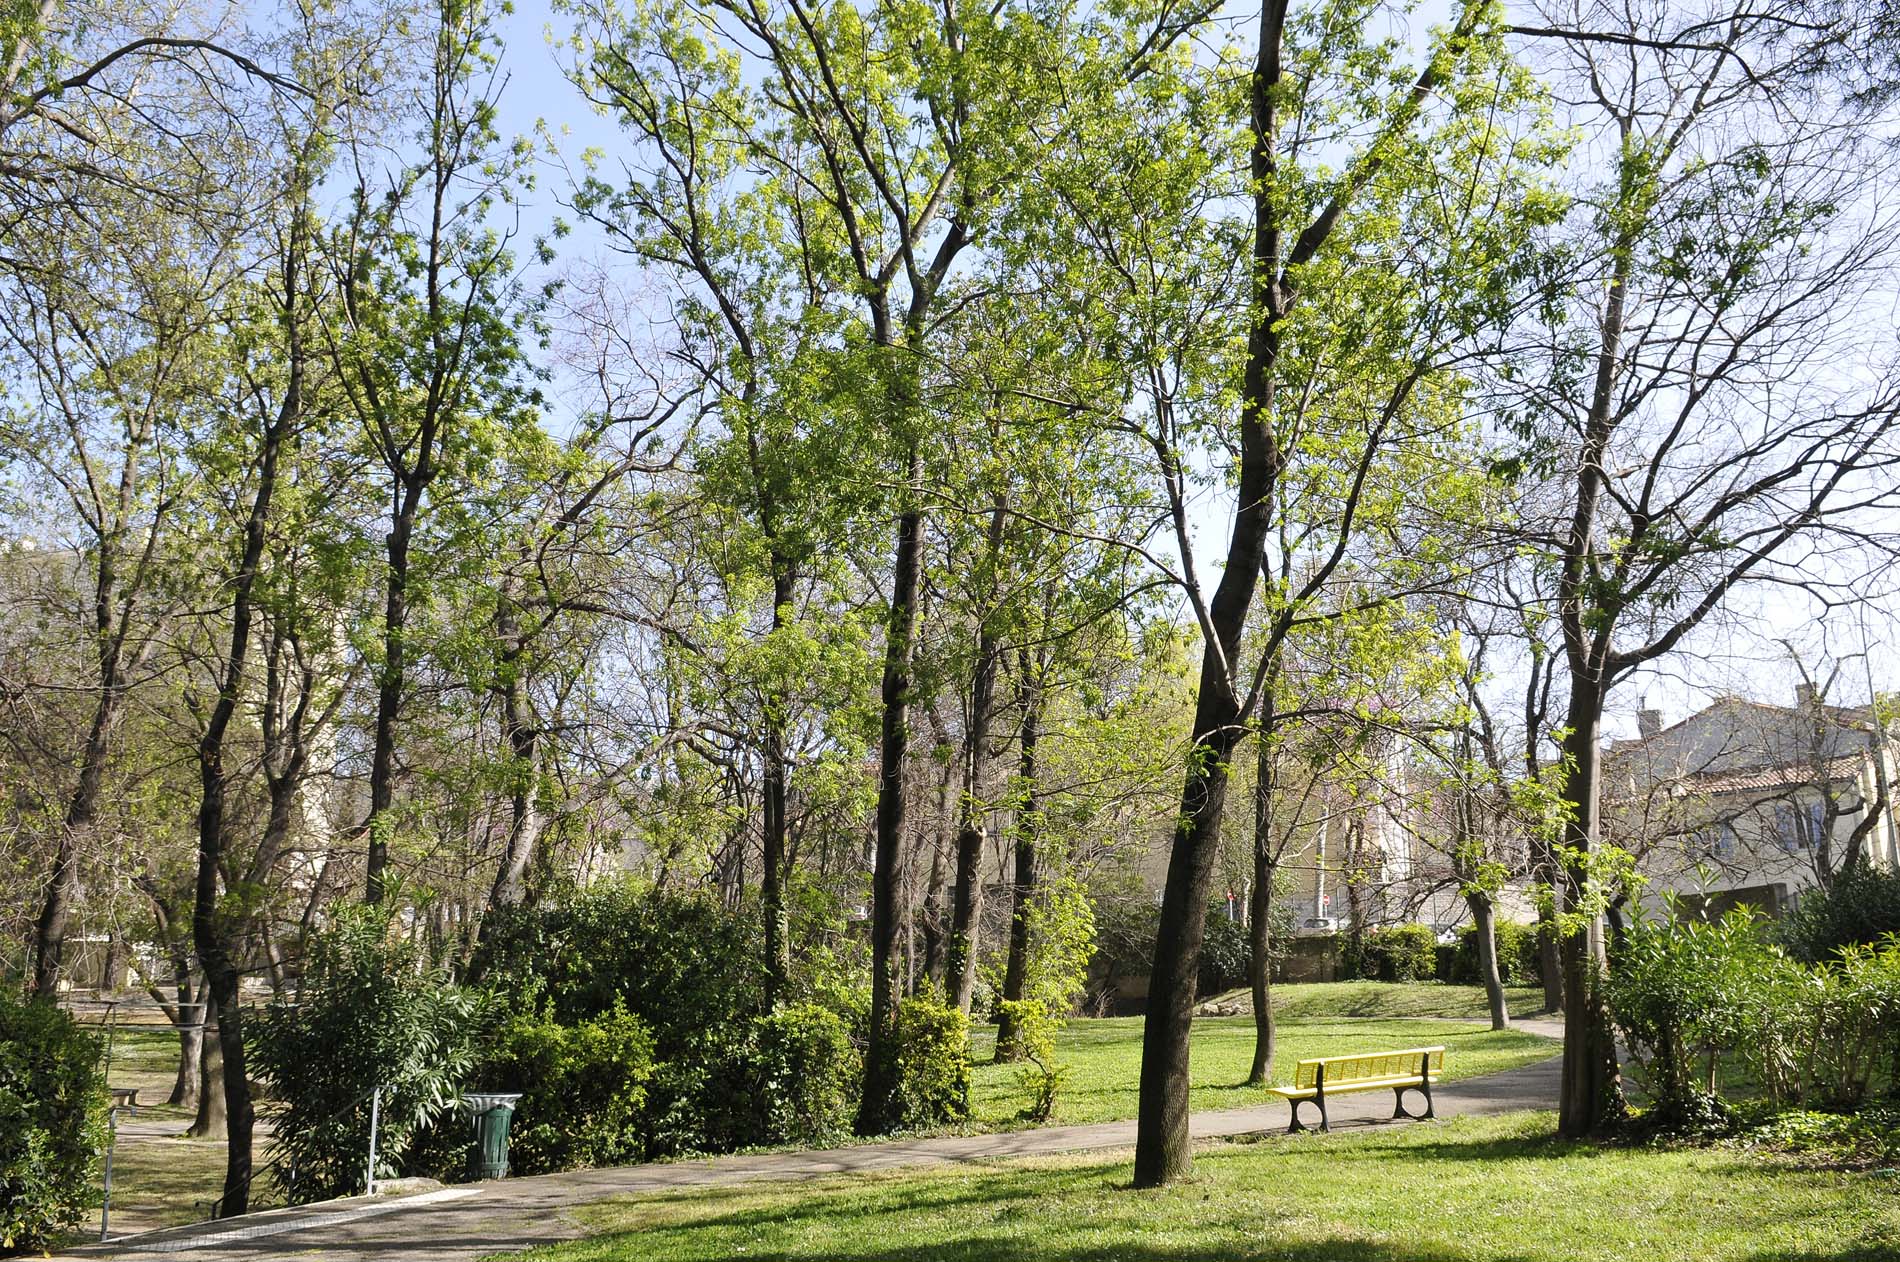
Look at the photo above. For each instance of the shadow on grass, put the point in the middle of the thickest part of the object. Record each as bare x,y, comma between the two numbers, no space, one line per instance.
1006,1249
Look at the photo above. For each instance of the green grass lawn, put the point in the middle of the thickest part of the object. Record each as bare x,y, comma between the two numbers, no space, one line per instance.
1390,999
1472,1190
1104,1055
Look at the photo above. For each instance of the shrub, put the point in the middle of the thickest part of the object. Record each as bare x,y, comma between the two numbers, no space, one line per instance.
679,962
807,1075
371,1014
583,1089
1401,953
1682,991
933,1062
1225,953
1861,908
703,1097
52,1123
1519,963
1040,1073
1828,1030
1059,920
686,965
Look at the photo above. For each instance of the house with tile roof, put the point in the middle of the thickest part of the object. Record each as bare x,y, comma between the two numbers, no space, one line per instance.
1746,802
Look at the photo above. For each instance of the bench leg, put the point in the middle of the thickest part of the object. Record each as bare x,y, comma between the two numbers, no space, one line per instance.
1297,1125
1398,1102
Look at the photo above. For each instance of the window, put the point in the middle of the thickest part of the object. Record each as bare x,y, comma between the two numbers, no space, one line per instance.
1799,825
1714,841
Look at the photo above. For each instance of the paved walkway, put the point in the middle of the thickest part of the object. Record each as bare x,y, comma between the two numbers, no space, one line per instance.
467,1222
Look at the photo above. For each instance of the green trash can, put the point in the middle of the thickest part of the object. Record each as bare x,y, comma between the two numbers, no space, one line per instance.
492,1111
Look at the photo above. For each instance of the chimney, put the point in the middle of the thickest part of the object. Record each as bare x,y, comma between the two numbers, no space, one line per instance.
1804,698
1648,723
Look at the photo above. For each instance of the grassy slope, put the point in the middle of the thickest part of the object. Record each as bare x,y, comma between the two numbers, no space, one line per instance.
1105,1061
1388,999
1474,1190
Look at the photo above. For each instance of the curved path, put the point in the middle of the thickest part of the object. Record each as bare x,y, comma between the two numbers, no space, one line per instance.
470,1221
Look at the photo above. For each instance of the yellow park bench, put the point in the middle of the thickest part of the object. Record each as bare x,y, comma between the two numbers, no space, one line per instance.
1410,1069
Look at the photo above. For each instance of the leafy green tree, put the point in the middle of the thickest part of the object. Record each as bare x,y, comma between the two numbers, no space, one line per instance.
426,343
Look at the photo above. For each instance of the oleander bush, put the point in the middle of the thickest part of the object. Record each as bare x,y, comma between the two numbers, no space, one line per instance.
372,1013
52,1123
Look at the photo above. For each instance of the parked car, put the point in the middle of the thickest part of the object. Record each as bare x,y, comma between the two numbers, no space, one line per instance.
1319,924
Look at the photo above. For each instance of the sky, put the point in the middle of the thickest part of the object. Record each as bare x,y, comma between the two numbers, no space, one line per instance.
1740,654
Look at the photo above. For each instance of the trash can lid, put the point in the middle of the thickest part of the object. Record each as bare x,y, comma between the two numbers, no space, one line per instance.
482,1101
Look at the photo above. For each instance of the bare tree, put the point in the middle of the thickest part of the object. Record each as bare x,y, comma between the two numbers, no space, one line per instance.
1693,417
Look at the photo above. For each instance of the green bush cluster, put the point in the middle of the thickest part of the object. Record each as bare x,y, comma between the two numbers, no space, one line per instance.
686,965
1398,953
1689,996
806,1073
371,1013
1859,909
52,1123
631,1021
583,1088
933,1062
1519,962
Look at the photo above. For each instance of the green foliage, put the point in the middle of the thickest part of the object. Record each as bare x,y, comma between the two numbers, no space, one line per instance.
52,1123
1519,961
679,962
1861,907
1225,952
371,1013
933,1062
1400,953
1040,1073
808,1073
583,1089
1822,1033
831,965
688,967
1681,991
1863,1140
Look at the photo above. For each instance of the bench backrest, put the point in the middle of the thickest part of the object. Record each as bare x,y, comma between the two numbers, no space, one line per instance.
1345,1069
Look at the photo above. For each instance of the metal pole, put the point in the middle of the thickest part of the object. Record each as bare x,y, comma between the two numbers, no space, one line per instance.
375,1115
112,1139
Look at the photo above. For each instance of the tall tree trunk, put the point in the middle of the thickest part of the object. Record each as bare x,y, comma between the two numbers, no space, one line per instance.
217,934
55,920
1266,856
525,818
1023,888
1549,948
212,1116
932,919
389,690
776,790
875,1108
1484,917
191,1046
1591,1097
966,906
1162,1148
189,1020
